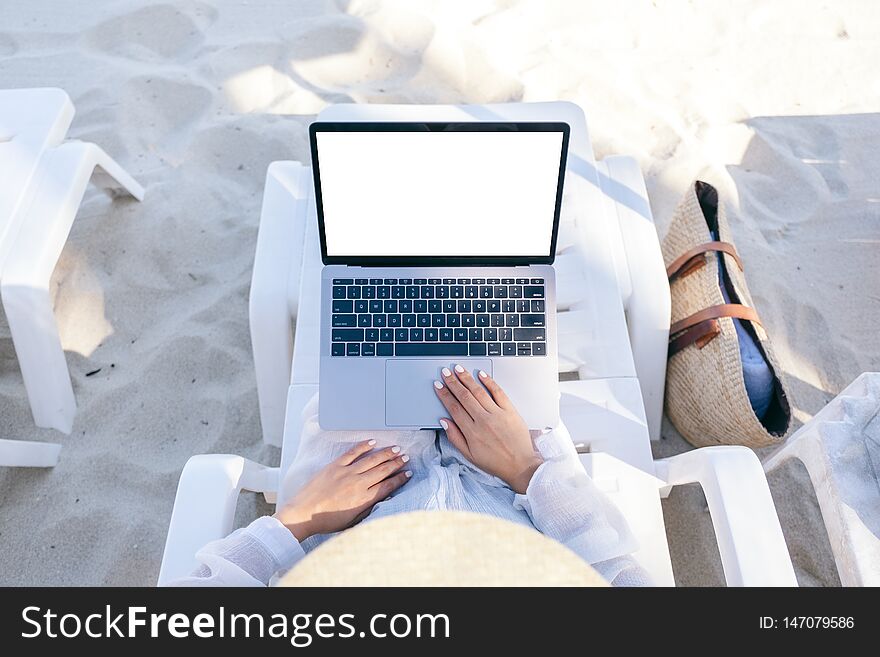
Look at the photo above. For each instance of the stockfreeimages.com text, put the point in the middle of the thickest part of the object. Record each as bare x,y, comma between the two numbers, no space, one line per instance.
299,629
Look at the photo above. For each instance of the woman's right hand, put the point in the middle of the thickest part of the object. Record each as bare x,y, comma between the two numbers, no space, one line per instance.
486,428
345,491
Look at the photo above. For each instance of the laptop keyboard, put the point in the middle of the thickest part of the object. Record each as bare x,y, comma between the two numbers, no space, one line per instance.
438,317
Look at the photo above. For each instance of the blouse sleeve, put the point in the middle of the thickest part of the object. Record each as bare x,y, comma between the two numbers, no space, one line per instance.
564,504
250,556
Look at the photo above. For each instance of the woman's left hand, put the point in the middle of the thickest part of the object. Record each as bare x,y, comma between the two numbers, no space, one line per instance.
345,491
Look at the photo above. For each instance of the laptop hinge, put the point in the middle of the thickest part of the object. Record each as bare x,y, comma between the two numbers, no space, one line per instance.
438,264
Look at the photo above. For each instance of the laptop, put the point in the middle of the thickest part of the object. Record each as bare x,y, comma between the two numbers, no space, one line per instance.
437,241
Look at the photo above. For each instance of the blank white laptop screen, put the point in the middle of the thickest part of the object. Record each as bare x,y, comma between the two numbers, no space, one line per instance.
468,193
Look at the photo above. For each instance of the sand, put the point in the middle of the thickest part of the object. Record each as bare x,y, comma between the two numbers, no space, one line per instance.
778,105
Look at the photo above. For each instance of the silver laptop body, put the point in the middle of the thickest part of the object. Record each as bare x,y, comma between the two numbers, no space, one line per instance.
438,241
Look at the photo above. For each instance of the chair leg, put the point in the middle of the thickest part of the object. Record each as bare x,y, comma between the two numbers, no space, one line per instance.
40,355
62,178
27,454
107,174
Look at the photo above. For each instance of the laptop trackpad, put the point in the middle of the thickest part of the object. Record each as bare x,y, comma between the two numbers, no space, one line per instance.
410,400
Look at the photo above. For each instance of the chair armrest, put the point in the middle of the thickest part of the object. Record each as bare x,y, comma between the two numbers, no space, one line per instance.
644,284
274,291
750,540
204,507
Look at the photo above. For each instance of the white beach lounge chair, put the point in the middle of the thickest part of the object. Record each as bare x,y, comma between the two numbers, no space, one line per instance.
44,179
840,448
613,328
625,224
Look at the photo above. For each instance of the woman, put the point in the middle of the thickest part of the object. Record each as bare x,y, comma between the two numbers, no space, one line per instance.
484,461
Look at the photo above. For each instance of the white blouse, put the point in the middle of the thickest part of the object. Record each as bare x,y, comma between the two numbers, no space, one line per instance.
561,502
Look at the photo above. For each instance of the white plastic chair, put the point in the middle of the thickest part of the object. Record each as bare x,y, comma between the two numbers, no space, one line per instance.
275,289
28,454
608,260
840,448
44,179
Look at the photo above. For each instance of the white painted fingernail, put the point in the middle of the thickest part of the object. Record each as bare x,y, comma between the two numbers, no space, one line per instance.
404,458
408,474
446,372
438,385
459,369
444,424
483,375
371,443
395,449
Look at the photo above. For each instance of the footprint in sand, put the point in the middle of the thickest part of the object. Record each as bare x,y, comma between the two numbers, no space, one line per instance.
155,32
162,112
393,54
829,361
816,144
347,54
344,53
772,207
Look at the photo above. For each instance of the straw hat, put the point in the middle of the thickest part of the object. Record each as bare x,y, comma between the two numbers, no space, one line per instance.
441,548
706,397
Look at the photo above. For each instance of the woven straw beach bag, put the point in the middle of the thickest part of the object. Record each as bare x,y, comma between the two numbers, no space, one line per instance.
706,396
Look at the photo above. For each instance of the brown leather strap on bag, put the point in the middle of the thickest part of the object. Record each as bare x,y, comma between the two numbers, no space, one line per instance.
736,310
693,259
702,327
701,334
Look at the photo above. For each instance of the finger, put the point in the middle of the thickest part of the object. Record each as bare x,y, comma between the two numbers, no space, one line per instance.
356,451
478,391
498,394
462,394
384,488
456,410
369,461
385,470
456,437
